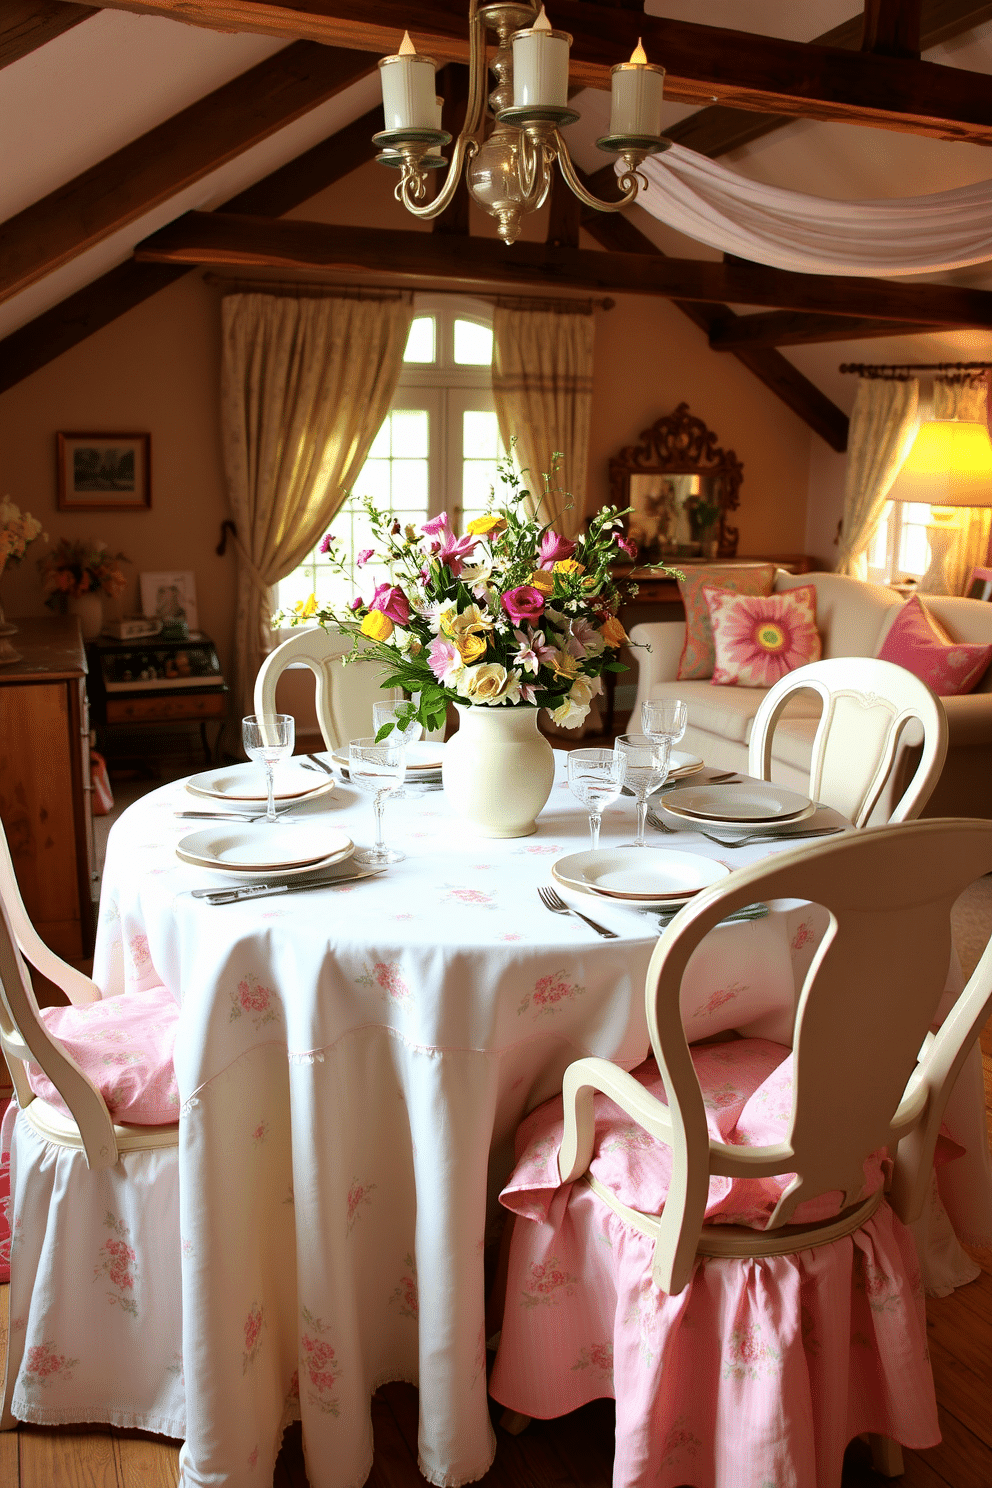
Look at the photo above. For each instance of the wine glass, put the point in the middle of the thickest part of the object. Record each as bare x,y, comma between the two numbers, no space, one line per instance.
665,718
646,768
596,777
268,738
377,769
384,714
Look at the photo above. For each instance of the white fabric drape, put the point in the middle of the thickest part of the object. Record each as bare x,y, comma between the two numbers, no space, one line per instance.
305,384
542,386
813,234
883,425
964,401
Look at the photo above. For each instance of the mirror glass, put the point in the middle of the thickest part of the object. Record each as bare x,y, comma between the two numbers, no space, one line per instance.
674,514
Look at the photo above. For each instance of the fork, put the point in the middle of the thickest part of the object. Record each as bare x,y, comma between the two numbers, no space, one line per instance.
753,837
655,821
557,905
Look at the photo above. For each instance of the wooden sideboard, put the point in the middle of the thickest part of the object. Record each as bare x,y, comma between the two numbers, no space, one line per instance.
45,780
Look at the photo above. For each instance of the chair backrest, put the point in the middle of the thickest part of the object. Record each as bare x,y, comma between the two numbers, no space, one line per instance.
77,987
345,694
873,712
23,1037
866,1075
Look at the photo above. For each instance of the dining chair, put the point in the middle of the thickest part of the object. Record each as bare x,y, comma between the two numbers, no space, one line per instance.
717,1239
92,1140
344,694
875,717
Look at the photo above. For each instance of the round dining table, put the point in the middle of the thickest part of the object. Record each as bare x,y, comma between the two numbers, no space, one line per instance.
353,1062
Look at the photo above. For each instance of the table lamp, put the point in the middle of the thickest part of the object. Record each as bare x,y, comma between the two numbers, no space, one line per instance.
949,465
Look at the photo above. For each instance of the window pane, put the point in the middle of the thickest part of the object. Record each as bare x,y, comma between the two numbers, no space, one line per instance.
473,344
421,344
878,551
380,444
480,436
479,477
409,434
914,557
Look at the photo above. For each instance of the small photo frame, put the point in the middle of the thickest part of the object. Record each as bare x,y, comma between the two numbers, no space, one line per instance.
104,472
980,584
171,598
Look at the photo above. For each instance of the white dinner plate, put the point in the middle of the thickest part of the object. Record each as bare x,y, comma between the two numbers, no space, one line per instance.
639,875
682,764
422,758
750,801
264,848
246,783
736,824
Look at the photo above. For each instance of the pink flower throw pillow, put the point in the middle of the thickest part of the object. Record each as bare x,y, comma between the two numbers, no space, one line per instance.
696,661
917,642
757,639
125,1045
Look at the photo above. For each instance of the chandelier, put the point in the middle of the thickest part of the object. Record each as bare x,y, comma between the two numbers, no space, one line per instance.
509,172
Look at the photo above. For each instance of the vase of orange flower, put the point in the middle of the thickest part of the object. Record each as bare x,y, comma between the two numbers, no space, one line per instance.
76,576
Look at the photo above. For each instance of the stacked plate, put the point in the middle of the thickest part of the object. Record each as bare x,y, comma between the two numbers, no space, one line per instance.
264,849
750,803
681,764
641,877
423,760
242,787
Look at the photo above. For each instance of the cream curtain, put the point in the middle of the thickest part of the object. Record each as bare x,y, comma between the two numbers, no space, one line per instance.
542,386
305,385
964,401
883,425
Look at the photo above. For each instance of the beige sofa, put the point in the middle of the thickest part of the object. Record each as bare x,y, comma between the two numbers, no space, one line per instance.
853,618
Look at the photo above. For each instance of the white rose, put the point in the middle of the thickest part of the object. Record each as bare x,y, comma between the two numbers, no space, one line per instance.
574,709
484,683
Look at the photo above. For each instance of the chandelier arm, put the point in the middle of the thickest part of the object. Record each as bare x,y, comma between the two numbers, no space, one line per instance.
630,182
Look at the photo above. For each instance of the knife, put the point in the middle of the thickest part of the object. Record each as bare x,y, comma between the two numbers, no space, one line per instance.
321,764
263,890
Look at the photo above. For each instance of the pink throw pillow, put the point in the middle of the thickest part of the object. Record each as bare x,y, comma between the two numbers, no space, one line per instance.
125,1045
919,643
757,639
696,661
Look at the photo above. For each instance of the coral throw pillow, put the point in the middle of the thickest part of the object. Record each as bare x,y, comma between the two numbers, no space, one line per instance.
757,639
696,662
917,642
125,1045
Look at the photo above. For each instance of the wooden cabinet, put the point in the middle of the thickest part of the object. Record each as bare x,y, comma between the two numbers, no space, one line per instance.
44,780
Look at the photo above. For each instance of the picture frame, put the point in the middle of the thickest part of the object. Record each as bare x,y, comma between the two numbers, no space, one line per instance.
103,472
980,584
170,597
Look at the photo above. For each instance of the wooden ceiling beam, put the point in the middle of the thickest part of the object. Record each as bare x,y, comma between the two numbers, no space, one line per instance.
717,130
171,157
792,328
219,238
26,25
892,28
703,63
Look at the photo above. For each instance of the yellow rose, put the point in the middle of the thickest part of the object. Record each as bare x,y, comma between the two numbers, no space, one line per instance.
569,566
542,581
483,526
306,609
377,626
613,632
471,646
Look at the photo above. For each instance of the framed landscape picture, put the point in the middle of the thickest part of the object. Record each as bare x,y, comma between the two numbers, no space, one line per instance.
104,472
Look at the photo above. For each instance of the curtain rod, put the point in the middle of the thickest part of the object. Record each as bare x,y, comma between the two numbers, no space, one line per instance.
310,290
901,370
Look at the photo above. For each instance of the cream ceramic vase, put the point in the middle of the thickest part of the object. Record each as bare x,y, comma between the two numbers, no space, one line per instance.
498,770
89,610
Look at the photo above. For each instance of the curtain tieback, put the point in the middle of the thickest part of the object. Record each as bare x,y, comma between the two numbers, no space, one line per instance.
260,583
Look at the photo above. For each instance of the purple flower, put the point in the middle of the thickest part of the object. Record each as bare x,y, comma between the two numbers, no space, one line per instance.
392,603
525,604
436,525
364,557
326,542
356,603
629,547
454,549
554,549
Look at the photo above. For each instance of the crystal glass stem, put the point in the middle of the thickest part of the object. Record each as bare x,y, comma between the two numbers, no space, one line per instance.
595,822
379,801
270,784
642,816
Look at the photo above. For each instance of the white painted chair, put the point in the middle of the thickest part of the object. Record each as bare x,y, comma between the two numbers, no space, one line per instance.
95,1291
344,695
866,1075
875,714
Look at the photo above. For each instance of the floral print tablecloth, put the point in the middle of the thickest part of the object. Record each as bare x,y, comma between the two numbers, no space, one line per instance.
352,1065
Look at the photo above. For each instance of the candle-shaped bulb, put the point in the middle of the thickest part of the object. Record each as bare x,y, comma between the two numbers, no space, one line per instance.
637,90
408,88
540,65
639,54
407,48
542,23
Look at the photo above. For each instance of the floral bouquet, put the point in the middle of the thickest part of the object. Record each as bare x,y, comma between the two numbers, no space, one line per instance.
74,568
17,531
510,615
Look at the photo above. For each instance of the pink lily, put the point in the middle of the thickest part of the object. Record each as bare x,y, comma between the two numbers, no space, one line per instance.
392,603
554,548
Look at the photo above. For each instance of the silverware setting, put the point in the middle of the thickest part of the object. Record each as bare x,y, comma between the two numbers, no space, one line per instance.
557,905
767,836
654,820
240,816
311,762
726,778
749,912
264,890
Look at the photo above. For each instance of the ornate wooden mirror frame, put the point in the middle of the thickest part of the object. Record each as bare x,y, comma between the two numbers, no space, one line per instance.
682,487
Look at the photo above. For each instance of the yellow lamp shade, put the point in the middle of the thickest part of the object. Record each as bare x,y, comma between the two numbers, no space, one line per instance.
949,464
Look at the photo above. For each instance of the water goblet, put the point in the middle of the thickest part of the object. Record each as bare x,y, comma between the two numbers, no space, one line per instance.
596,777
664,718
267,739
377,769
391,715
647,762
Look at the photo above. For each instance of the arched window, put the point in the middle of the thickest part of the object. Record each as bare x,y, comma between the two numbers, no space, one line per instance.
435,451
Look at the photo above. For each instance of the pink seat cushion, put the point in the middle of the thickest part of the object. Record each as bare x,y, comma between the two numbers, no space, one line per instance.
917,642
747,1092
757,639
124,1044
